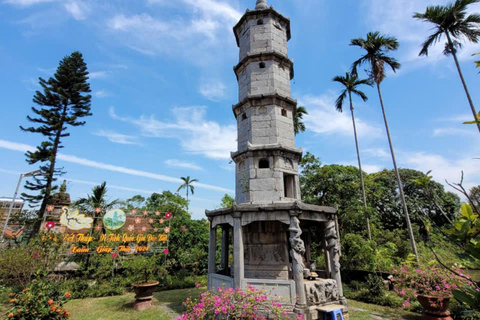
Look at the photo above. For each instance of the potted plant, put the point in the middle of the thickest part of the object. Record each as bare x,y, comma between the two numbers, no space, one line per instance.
431,286
143,270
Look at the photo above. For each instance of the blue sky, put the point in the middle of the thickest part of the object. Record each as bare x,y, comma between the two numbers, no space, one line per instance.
163,86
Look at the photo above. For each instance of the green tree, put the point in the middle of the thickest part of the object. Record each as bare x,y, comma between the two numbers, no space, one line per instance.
426,199
97,201
187,184
63,102
167,201
478,61
351,83
135,202
298,125
227,201
452,21
474,197
377,46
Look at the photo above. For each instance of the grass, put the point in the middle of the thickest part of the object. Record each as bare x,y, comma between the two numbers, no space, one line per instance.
121,307
365,311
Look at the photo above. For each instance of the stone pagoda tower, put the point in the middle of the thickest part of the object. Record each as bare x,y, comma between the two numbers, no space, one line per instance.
269,230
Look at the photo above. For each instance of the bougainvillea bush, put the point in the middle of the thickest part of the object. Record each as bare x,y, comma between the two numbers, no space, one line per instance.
234,304
411,281
40,301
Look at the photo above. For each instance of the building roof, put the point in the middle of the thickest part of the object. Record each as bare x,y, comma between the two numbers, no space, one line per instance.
9,199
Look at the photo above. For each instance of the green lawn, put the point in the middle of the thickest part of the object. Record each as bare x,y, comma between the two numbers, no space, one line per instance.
372,311
121,307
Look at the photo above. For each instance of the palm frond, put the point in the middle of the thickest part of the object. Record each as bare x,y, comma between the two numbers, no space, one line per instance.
339,101
361,94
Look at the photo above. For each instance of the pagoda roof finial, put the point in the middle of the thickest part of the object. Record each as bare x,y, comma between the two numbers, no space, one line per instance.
261,4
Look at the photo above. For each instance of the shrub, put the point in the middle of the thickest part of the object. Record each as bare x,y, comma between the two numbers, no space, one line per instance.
40,301
234,304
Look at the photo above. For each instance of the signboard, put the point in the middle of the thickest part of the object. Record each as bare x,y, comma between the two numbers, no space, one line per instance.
113,233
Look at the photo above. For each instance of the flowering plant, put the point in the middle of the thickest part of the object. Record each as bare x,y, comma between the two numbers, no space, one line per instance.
234,304
38,302
410,281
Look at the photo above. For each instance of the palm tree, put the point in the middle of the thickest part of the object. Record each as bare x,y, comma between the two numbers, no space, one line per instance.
453,22
96,200
188,184
298,125
351,82
377,46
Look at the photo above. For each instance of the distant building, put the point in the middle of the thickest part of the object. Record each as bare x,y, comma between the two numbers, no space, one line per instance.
5,203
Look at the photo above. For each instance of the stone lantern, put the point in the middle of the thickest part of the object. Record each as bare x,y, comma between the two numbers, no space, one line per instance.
269,230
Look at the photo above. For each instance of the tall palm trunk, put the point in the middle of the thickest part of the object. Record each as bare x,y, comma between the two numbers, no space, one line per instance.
450,43
399,180
360,168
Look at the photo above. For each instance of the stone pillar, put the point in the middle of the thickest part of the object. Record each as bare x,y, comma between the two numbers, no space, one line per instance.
333,247
225,248
328,267
212,248
238,255
297,252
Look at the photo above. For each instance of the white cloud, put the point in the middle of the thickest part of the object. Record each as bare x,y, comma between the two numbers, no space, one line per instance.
196,134
323,118
213,90
97,75
118,137
101,94
445,169
26,3
109,167
395,19
202,26
78,9
182,164
440,132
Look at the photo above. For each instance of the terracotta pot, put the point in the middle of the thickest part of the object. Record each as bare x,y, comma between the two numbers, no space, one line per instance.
143,294
435,307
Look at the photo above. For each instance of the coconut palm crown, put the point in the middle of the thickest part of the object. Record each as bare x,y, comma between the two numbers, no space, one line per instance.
187,184
376,46
350,81
452,21
96,200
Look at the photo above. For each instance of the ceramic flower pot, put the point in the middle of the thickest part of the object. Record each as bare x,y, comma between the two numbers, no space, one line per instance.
144,294
435,307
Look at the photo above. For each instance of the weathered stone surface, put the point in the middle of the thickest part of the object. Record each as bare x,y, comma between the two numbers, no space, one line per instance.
321,291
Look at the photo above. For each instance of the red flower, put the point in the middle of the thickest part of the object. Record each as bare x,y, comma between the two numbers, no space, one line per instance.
50,208
168,215
49,225
114,255
98,210
165,251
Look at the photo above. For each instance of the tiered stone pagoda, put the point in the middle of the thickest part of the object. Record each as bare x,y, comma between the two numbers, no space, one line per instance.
269,230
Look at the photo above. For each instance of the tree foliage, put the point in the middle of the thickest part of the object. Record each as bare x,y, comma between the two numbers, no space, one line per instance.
63,102
298,124
98,199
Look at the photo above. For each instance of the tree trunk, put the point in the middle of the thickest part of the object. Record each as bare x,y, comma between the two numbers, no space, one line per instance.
472,107
399,180
360,168
50,173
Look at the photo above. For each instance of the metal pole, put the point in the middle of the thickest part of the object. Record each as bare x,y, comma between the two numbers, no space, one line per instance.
11,207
